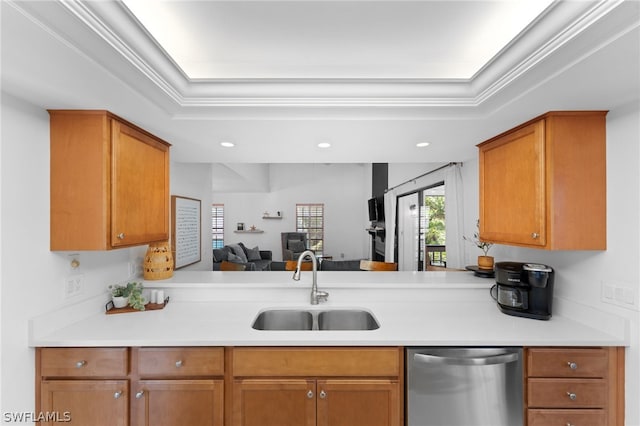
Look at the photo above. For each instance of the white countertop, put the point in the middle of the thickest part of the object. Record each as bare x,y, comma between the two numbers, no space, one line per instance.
412,308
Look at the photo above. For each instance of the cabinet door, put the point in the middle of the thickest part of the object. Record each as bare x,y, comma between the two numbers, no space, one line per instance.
274,402
178,403
358,402
547,417
139,187
85,402
512,188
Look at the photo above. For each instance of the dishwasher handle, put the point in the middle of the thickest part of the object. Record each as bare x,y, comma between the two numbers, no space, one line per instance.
504,358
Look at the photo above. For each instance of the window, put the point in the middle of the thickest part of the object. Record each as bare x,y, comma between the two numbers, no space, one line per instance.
310,219
217,225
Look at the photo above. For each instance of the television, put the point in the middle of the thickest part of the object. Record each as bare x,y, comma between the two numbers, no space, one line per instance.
376,209
373,210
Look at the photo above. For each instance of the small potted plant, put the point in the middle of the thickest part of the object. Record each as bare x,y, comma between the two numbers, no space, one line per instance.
129,294
486,261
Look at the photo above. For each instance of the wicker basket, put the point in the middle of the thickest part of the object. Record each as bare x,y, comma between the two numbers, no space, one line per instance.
158,262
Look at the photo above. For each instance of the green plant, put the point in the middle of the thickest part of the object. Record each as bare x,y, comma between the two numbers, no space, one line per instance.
475,240
132,291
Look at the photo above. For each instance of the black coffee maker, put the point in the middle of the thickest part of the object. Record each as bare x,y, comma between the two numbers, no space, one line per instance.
524,289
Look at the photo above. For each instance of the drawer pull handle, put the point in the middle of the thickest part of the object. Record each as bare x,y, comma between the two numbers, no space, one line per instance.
139,394
179,363
323,394
572,396
81,363
572,365
310,394
117,395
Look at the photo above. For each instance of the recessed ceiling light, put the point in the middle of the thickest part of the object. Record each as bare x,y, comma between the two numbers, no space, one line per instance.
422,144
227,144
324,145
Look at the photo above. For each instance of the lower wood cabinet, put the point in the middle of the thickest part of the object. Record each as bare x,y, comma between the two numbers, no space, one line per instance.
178,402
85,402
301,386
274,402
317,386
308,402
574,386
359,402
83,386
131,386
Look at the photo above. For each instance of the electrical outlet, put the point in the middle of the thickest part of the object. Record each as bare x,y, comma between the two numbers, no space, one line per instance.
135,268
73,285
619,294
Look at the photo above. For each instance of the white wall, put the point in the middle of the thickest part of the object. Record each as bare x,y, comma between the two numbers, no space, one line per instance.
343,189
194,181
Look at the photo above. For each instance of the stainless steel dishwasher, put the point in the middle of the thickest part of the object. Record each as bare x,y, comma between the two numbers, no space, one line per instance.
464,386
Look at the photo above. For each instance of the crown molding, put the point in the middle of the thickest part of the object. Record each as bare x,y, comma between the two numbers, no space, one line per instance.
537,46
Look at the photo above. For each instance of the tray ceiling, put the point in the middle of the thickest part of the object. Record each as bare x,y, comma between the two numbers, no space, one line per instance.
372,78
332,39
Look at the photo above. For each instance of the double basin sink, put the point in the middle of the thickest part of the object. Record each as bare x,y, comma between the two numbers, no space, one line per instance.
302,319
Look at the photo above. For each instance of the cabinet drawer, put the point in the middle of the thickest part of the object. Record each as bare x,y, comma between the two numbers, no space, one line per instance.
563,362
566,417
292,362
84,362
567,393
180,362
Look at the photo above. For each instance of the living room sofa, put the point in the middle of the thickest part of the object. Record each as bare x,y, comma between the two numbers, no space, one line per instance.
325,265
253,258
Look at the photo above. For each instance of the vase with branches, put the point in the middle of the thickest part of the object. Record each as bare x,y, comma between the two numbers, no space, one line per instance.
486,261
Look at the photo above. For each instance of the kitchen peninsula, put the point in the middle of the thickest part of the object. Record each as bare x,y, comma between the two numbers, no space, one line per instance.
413,308
203,340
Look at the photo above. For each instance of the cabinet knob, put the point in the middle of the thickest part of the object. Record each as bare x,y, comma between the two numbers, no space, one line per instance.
117,395
310,394
572,396
81,363
323,394
535,235
179,363
139,394
121,236
569,424
572,365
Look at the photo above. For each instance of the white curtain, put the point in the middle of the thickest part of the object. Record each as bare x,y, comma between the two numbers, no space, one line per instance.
454,216
390,200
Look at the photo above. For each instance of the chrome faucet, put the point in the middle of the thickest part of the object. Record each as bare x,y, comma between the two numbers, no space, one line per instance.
316,296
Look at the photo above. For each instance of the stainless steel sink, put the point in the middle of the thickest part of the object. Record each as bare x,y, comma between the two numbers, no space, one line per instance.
343,319
298,319
283,319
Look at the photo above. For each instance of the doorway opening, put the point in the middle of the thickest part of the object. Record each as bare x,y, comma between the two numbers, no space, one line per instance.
421,229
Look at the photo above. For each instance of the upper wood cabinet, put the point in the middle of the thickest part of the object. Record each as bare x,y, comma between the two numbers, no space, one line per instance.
543,184
109,182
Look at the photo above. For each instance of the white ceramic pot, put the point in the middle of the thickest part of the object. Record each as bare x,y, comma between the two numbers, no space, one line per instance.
120,301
